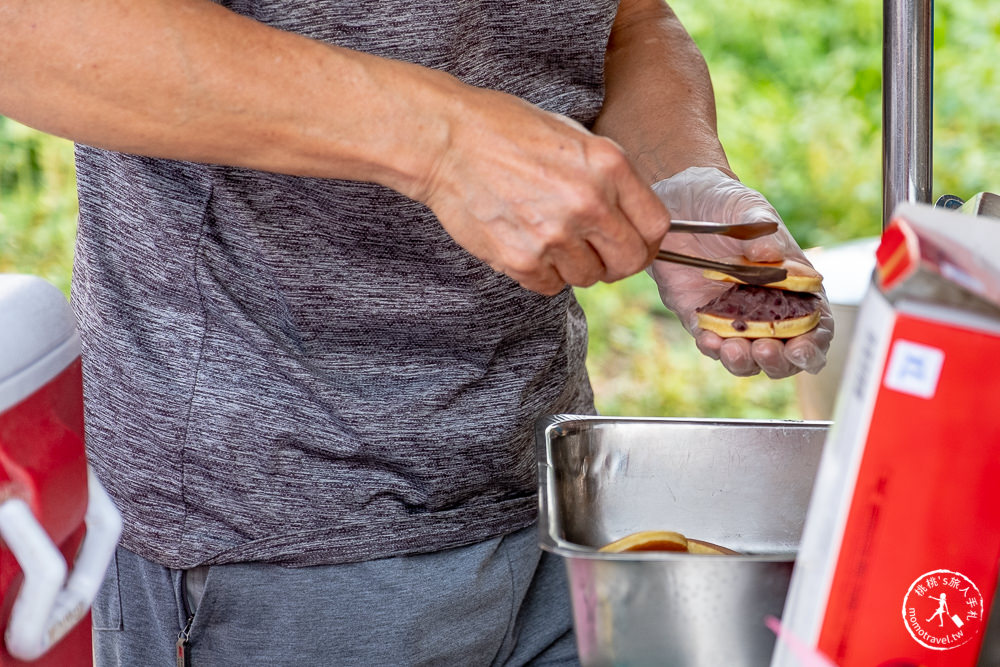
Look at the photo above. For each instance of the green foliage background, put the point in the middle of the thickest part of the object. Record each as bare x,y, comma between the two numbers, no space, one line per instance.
798,90
37,204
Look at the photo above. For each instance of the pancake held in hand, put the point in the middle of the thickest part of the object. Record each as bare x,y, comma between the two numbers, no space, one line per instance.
746,311
801,276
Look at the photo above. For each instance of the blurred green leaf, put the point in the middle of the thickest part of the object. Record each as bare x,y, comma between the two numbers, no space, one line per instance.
38,206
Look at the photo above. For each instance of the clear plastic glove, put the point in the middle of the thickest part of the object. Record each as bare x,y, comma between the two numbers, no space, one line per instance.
706,193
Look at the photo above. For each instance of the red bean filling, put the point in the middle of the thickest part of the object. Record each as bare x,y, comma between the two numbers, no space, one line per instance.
743,303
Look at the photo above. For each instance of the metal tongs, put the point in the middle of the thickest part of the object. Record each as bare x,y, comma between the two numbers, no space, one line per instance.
750,274
737,230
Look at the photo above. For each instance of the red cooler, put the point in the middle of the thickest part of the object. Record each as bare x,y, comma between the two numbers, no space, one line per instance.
58,528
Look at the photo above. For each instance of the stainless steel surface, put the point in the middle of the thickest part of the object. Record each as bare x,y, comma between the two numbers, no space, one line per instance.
752,275
741,484
817,393
736,230
907,72
846,269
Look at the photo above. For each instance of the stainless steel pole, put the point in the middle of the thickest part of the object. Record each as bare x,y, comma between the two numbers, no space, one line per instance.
907,72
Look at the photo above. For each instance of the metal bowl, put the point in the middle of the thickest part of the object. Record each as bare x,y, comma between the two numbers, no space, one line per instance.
742,484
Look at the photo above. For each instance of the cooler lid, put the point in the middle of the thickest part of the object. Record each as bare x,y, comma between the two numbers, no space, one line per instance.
37,335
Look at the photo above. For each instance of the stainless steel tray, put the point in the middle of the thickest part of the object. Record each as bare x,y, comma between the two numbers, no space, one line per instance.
742,484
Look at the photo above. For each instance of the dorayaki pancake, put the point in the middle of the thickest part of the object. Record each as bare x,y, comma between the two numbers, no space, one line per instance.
663,540
747,311
648,540
801,277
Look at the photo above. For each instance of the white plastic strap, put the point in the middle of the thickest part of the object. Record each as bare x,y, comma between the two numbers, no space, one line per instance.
45,610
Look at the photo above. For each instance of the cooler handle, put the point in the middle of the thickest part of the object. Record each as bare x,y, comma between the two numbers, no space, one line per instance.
45,610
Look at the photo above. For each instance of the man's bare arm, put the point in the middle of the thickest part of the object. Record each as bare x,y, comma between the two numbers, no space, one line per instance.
189,79
537,197
659,103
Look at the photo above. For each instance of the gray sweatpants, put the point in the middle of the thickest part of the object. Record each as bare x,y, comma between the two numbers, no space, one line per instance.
499,602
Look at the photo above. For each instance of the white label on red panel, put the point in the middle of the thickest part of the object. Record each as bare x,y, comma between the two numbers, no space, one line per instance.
914,368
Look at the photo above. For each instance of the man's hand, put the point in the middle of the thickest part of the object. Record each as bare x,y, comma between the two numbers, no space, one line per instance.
702,193
539,197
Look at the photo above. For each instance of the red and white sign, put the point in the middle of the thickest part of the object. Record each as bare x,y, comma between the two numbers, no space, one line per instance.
901,542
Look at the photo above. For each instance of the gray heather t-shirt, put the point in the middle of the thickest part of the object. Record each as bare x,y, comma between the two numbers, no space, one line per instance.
310,371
